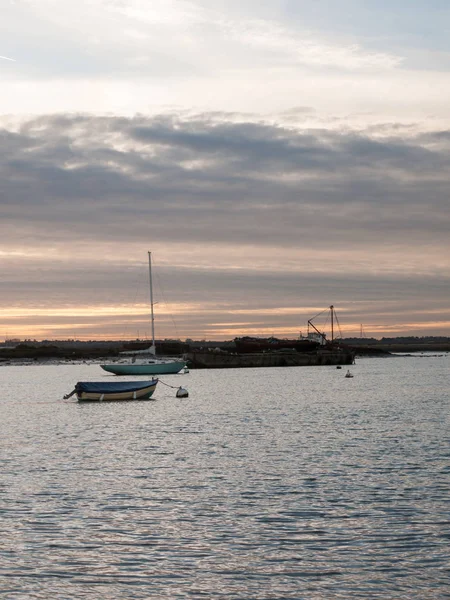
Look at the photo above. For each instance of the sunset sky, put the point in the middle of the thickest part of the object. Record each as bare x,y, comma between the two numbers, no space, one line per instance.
275,156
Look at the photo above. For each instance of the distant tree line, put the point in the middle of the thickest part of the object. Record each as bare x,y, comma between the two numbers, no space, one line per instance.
428,339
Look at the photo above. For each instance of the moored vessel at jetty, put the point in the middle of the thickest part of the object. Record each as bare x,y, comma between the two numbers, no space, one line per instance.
314,350
224,360
248,344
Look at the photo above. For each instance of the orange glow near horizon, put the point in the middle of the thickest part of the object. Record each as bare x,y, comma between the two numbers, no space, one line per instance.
220,331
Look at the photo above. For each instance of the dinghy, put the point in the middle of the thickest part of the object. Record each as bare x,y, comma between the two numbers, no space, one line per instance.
100,391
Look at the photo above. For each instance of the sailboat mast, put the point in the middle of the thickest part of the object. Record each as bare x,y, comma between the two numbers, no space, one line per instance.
151,301
332,324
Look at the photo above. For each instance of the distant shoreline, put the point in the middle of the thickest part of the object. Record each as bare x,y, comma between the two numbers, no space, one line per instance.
408,348
43,352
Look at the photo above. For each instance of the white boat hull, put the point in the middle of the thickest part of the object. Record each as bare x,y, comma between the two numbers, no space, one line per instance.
152,368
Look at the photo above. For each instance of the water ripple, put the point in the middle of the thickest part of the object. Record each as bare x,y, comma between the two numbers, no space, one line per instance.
276,484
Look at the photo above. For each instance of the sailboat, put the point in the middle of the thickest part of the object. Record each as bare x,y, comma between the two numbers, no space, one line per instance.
145,362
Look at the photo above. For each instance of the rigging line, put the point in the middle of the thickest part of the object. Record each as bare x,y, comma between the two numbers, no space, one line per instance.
161,289
138,287
338,324
325,323
318,314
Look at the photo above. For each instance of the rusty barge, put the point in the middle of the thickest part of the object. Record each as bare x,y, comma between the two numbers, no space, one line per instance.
315,350
228,360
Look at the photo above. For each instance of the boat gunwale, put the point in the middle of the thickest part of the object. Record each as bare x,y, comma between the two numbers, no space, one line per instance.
140,393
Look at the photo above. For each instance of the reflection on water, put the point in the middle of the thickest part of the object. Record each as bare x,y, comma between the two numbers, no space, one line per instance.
277,483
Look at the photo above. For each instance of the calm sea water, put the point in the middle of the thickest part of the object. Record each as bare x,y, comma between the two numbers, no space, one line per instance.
263,484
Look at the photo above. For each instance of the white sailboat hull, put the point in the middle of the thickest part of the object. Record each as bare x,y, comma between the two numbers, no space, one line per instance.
151,368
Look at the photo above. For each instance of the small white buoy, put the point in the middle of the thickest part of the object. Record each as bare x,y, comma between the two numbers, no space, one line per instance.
182,392
185,370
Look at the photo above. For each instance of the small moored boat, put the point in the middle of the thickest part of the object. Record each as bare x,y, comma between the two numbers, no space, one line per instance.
348,374
100,391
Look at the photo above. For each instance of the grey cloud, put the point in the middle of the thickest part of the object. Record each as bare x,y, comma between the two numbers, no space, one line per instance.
98,182
199,175
96,281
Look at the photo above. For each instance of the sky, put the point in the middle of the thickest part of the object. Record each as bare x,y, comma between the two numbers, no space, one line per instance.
275,156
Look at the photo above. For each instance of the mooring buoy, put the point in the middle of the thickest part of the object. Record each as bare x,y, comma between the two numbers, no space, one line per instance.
182,392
